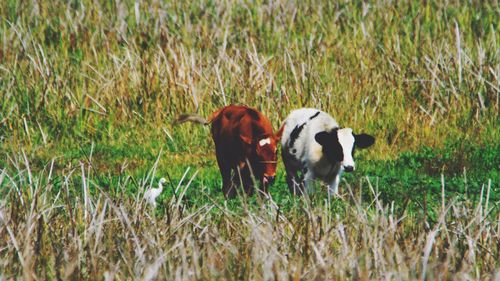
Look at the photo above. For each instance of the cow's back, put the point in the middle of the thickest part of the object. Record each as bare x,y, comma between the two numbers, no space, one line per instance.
234,121
300,128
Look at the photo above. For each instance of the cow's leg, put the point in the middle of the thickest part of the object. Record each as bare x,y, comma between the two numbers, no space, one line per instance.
333,187
228,187
309,182
244,178
236,179
293,180
291,175
248,183
225,171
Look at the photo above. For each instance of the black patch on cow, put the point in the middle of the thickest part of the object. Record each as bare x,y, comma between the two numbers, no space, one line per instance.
295,133
363,140
331,145
294,151
314,116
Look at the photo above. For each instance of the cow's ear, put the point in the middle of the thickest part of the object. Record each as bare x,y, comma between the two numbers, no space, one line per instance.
363,140
246,139
322,137
279,133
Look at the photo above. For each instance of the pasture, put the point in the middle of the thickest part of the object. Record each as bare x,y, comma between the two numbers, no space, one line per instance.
89,91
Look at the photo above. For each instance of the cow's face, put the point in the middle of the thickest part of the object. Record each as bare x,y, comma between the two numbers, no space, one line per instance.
339,145
265,152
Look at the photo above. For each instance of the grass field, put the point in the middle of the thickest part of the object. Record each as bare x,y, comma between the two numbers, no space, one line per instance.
89,91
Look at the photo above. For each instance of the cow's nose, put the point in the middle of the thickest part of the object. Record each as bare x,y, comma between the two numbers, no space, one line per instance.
270,180
348,168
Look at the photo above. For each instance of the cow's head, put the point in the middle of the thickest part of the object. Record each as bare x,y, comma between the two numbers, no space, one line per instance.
264,150
339,145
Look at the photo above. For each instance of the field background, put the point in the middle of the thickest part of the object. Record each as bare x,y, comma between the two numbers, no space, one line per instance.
89,91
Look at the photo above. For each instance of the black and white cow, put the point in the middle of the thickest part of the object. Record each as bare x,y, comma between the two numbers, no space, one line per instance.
315,147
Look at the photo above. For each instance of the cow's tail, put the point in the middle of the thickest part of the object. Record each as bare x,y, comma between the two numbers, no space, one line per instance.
197,118
191,118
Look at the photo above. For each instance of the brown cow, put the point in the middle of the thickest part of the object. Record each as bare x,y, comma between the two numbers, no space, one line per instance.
245,146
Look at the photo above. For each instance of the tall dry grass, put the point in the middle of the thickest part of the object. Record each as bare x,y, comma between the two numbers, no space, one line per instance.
413,73
50,231
111,75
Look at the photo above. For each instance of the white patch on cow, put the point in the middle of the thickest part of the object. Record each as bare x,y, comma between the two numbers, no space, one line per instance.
346,140
265,141
305,147
306,154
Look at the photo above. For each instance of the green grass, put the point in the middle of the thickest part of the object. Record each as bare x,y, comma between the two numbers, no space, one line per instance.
97,85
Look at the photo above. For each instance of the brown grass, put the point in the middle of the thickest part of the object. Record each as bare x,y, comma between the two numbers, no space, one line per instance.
48,233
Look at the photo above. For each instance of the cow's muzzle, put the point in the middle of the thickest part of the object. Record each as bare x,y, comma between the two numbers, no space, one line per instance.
349,168
268,180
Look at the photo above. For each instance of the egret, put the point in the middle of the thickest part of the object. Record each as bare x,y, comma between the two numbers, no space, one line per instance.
151,194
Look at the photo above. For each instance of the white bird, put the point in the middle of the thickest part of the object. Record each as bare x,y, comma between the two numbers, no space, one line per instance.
151,194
